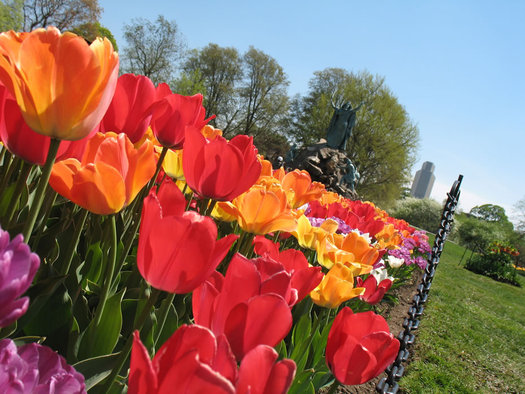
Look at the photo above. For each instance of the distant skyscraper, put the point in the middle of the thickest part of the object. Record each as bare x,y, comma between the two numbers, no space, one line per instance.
423,181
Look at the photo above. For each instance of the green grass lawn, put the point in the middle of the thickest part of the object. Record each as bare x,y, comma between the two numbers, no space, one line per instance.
472,334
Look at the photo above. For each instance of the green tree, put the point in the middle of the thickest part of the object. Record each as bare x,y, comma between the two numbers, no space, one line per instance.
11,15
152,48
493,214
476,234
90,31
64,14
384,141
263,94
216,71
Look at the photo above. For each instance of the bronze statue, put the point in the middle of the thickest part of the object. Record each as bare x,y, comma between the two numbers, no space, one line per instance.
341,125
351,177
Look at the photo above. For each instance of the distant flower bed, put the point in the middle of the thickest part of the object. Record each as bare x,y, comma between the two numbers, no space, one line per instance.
158,255
496,262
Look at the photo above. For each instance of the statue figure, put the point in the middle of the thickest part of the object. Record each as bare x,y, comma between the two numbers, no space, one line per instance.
341,125
351,176
290,155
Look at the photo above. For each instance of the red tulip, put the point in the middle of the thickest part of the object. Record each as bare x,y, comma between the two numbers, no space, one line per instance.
129,111
304,277
376,286
359,347
220,169
177,250
260,374
195,360
192,360
172,113
247,305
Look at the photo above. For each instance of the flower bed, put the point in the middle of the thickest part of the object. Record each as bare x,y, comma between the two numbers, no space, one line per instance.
158,237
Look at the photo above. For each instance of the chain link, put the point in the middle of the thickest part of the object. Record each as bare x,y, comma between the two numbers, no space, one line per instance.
406,338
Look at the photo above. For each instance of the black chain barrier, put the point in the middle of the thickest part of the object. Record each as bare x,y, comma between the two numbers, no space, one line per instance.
396,370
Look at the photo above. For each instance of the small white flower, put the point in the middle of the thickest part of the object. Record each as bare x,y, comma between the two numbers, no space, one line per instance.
381,274
395,262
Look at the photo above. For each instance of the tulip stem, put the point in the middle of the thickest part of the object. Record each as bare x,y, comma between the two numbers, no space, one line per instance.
41,188
110,270
189,199
50,199
166,303
210,207
20,183
157,170
127,240
245,244
333,387
7,165
72,246
124,353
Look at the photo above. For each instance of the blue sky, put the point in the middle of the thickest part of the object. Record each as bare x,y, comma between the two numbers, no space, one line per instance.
456,66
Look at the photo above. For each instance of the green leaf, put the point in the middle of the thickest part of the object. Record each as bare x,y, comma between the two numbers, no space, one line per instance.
170,326
302,383
96,369
92,268
53,321
319,345
7,195
321,379
101,339
300,339
281,349
301,330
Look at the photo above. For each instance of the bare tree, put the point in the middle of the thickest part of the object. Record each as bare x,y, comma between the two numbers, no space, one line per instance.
153,48
64,14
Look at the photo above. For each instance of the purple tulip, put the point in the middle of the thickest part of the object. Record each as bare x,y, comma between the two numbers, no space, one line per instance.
17,269
34,368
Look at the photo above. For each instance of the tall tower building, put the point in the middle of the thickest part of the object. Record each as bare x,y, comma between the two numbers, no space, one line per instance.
423,181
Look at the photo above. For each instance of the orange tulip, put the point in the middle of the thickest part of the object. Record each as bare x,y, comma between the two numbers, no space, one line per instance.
262,210
110,175
300,188
336,287
359,246
62,85
388,237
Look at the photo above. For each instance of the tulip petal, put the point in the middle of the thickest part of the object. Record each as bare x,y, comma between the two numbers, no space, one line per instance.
203,300
383,344
98,188
246,324
142,376
255,369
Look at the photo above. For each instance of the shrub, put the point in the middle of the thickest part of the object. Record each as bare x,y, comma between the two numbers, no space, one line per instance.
422,213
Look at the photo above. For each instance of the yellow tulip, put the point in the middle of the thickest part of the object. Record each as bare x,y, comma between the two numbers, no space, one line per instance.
336,287
172,164
309,236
